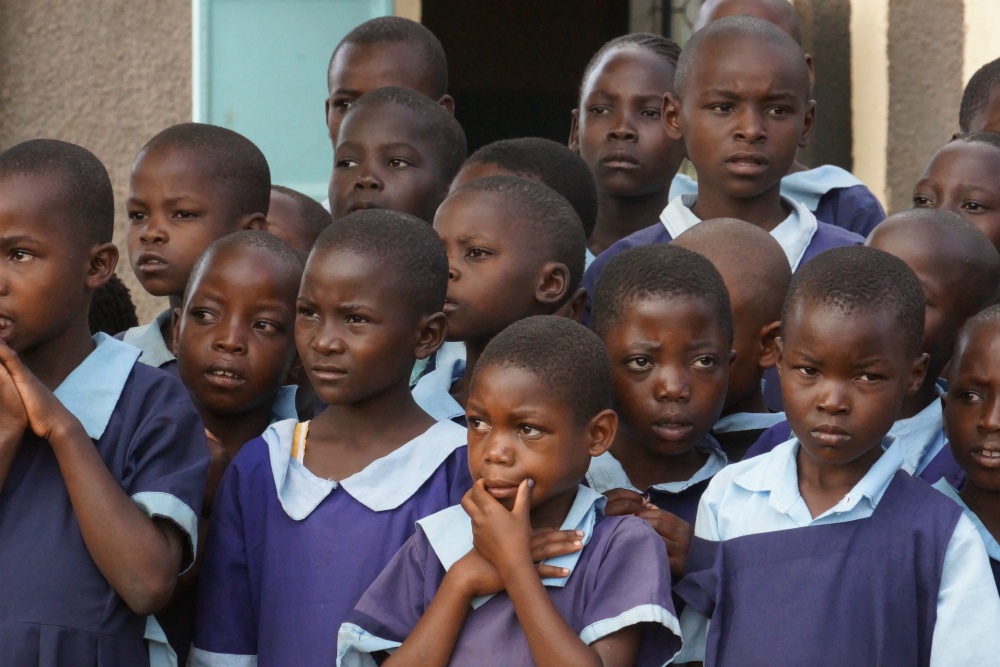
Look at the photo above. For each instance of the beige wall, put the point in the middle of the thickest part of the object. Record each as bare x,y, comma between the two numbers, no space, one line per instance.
106,75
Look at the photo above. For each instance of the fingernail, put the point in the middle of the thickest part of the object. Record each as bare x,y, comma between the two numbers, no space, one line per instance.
579,533
578,543
531,483
565,570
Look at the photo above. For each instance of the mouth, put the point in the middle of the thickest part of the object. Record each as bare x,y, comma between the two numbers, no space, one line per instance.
747,164
620,160
6,327
449,306
224,377
830,436
327,373
150,263
500,489
362,206
987,457
673,428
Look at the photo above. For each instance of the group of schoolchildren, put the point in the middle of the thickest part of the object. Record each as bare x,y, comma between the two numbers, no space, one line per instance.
542,405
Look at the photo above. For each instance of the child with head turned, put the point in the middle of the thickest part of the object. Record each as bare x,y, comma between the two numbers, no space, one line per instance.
663,314
102,459
296,219
515,249
973,428
757,290
397,150
345,488
805,529
465,589
191,184
980,108
741,105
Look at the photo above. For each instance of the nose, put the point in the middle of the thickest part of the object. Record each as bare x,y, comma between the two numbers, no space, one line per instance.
750,126
327,340
153,231
453,273
832,398
989,420
497,449
672,384
367,180
231,336
622,127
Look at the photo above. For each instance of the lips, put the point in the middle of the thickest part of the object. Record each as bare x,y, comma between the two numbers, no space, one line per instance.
620,160
6,327
500,489
987,457
327,372
673,427
362,206
224,376
831,436
449,306
747,164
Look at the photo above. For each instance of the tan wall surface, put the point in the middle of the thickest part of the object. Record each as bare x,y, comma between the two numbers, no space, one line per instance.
104,74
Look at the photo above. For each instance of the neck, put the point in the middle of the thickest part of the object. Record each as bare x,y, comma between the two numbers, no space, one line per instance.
553,512
754,402
234,431
823,485
460,390
167,328
927,394
53,360
985,504
766,210
645,468
618,217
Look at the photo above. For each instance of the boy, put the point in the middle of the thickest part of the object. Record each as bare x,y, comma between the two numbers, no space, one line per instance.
730,77
815,519
465,591
515,249
970,419
664,316
980,109
296,219
102,459
309,514
756,291
191,184
397,150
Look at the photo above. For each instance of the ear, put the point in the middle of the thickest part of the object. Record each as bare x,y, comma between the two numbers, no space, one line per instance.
671,116
326,115
767,338
574,131
808,124
779,353
101,264
552,286
256,221
918,371
601,430
447,102
575,307
433,329
812,72
175,322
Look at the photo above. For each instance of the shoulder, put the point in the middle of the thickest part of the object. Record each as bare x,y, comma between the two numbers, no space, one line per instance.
624,533
834,236
655,233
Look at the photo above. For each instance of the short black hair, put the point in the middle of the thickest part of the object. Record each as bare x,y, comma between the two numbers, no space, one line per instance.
859,278
663,271
988,138
780,12
985,317
395,29
313,214
226,157
564,355
550,162
733,28
111,308
87,199
655,44
404,243
977,93
447,135
250,239
547,217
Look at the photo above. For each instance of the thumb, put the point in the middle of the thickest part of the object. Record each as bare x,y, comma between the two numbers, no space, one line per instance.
522,502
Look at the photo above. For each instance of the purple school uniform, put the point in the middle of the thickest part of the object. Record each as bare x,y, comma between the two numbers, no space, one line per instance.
289,554
57,608
605,592
861,592
147,338
855,209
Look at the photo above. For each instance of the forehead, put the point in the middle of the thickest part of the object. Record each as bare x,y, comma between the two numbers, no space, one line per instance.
252,273
687,313
857,331
331,269
179,169
979,349
965,162
362,68
35,205
631,68
387,123
737,62
507,387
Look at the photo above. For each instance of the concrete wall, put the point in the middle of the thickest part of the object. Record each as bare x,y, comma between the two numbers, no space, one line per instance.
106,75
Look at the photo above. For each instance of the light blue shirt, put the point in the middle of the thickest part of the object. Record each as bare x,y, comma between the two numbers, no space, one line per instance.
761,495
150,341
747,421
807,186
992,547
606,473
921,437
432,391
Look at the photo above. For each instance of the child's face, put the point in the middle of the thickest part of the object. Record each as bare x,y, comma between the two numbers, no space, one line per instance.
385,158
235,331
175,211
745,372
355,333
670,367
519,429
362,68
617,128
972,407
961,178
284,220
843,379
493,274
743,114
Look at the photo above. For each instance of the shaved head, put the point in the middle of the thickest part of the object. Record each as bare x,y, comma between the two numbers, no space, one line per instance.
779,12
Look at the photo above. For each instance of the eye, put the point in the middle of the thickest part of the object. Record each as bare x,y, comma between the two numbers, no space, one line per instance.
722,107
266,326
974,207
136,216
652,114
529,431
869,377
598,110
639,363
706,361
478,425
346,163
808,371
356,319
342,104
185,215
399,163
18,255
920,201
477,253
305,311
779,111
970,397
201,315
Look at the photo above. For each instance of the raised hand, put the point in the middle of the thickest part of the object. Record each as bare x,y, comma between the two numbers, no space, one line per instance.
502,537
622,502
43,412
675,532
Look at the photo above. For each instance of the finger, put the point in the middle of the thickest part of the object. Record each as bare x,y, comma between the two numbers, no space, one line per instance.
625,494
522,501
552,536
551,572
545,550
622,507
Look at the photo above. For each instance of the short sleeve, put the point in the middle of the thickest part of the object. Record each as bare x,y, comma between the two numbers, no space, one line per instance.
868,211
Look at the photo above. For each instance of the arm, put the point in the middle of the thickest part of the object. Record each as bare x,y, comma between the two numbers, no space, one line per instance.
13,422
139,556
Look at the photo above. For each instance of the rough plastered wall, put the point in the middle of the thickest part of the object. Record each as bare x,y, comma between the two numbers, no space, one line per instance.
105,74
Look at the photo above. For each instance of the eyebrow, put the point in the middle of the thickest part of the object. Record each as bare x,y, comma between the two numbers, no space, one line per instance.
600,92
346,91
8,241
732,94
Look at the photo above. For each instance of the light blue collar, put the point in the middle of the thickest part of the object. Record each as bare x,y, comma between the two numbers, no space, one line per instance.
606,472
992,547
283,406
92,390
432,390
810,185
385,484
150,341
450,534
747,421
588,259
921,436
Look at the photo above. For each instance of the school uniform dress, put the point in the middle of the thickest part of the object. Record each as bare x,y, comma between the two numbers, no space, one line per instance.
56,608
289,554
891,575
737,432
148,339
834,195
678,498
432,390
992,547
604,592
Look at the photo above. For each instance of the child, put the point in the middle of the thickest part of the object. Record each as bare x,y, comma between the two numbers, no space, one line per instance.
617,130
396,150
465,591
111,308
102,459
980,109
295,218
756,274
961,178
515,249
730,77
834,195
815,519
970,418
664,316
309,514
191,184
